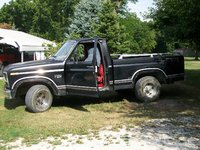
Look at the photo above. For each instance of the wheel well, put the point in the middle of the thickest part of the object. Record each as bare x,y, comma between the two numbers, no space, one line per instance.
23,88
158,75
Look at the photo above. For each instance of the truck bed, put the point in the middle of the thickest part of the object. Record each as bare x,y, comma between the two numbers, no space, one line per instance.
129,65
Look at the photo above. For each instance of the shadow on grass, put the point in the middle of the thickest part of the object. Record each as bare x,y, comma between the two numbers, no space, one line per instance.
193,77
176,113
175,100
75,102
13,103
78,102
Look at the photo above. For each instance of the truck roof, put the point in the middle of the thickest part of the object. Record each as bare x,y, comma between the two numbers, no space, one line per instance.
88,39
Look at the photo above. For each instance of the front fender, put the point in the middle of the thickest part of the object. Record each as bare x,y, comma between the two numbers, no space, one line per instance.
33,81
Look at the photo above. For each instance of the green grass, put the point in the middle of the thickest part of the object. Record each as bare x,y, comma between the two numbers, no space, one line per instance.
81,115
192,72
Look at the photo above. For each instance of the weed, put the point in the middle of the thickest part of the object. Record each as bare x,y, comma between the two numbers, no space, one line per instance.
79,141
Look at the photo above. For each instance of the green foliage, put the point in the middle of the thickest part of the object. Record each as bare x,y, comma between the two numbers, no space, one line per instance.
178,20
18,13
141,36
120,4
52,18
85,16
110,29
46,18
52,49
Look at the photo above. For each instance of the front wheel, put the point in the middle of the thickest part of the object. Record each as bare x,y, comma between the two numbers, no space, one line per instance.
147,89
38,98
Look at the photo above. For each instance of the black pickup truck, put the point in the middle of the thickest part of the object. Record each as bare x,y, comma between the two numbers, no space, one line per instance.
85,67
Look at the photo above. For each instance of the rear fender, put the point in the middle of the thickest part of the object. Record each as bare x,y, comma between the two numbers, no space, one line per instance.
155,72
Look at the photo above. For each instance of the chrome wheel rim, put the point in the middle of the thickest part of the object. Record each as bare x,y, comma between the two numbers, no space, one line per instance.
42,100
150,90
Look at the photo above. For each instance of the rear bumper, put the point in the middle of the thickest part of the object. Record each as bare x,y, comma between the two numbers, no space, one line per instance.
176,77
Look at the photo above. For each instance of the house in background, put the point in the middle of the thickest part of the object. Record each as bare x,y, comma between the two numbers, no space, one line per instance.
16,46
187,52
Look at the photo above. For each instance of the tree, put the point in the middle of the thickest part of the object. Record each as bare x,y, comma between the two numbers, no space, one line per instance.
18,13
52,18
142,37
46,18
179,20
85,16
121,3
110,28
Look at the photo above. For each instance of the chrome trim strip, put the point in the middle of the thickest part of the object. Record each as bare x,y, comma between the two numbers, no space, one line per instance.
132,65
111,82
33,77
83,88
40,71
149,69
62,87
83,70
123,81
39,66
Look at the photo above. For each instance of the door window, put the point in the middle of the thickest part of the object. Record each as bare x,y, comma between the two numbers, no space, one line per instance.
83,53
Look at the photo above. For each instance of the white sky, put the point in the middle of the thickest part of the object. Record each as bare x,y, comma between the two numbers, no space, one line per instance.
3,1
140,7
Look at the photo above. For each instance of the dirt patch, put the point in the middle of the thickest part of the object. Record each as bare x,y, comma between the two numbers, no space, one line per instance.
180,133
168,105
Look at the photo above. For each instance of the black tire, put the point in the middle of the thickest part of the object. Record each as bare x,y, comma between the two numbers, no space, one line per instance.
147,89
38,99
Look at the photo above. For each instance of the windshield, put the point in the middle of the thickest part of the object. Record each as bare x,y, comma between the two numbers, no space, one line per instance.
64,50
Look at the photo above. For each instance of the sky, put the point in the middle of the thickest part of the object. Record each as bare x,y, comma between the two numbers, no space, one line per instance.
140,7
3,1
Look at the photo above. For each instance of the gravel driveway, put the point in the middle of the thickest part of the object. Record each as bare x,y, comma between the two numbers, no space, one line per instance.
182,133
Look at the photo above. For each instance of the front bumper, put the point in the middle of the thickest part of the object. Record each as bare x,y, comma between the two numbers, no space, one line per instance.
8,94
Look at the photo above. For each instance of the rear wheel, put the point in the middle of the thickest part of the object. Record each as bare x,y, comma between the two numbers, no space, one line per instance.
38,98
147,89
